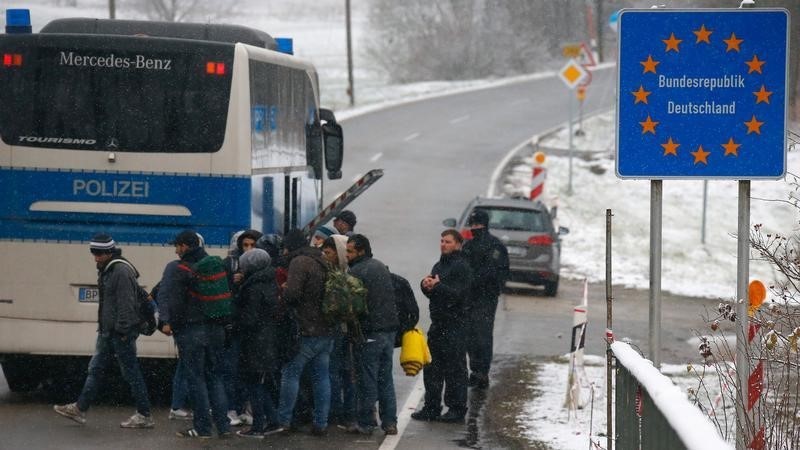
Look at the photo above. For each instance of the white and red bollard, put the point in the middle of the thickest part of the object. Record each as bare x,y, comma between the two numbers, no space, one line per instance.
539,176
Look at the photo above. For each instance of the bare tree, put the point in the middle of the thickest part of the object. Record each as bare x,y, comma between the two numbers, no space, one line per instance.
183,10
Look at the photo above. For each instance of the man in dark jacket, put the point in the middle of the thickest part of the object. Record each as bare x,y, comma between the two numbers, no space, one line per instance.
375,354
200,340
304,292
118,321
488,258
447,287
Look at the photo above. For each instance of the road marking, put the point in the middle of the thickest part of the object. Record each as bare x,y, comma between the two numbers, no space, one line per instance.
459,119
411,137
357,177
417,392
376,157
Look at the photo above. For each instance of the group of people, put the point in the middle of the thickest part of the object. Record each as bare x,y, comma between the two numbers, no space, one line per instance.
276,345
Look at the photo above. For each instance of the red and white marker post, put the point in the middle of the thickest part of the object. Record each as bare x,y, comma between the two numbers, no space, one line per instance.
539,176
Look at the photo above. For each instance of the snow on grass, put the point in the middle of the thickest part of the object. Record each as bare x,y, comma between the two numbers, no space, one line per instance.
545,419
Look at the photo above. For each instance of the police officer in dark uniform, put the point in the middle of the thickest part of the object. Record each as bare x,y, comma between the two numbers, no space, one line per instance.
488,258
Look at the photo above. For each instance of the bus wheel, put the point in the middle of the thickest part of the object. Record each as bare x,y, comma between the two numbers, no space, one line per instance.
22,375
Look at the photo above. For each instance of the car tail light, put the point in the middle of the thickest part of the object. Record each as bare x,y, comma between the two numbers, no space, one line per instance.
542,239
466,233
12,59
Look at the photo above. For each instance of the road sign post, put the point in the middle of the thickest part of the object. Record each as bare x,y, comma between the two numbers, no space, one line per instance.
572,74
702,95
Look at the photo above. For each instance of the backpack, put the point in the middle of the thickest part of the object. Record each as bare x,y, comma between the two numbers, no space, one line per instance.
145,307
345,298
407,309
210,287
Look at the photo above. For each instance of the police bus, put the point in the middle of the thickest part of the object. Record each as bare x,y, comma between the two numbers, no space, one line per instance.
140,129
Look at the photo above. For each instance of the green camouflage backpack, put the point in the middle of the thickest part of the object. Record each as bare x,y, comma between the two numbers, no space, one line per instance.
345,297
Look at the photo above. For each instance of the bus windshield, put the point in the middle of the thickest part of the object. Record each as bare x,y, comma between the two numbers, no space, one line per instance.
114,93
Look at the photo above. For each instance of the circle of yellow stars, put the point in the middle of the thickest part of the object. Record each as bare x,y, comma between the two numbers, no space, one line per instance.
702,36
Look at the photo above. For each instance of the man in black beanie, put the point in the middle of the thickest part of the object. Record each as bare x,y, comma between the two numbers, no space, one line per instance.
345,222
117,320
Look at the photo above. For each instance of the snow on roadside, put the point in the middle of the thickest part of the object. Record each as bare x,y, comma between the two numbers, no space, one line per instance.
545,419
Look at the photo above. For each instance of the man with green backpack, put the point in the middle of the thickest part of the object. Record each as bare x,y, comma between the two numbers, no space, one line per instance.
199,302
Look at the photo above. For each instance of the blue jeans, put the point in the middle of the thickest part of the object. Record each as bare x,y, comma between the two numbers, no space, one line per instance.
343,390
317,351
375,381
201,347
180,387
123,348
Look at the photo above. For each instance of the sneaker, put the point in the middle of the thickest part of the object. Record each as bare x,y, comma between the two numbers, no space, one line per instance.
138,421
246,419
358,429
452,416
250,433
276,429
180,414
192,433
234,418
425,415
321,432
345,425
390,430
71,411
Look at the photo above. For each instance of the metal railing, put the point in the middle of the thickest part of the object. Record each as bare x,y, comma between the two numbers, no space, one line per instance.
652,413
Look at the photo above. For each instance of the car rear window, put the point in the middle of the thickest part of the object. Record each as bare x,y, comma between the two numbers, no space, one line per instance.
518,219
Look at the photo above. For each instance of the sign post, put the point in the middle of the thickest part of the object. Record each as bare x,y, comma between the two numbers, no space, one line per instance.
702,95
572,74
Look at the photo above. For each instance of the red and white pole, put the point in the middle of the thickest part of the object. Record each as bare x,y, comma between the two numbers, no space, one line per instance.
539,176
756,293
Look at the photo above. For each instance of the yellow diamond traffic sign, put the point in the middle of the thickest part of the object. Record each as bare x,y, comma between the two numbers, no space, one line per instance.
572,74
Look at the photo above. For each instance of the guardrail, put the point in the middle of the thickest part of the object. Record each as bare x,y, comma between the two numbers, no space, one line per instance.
652,413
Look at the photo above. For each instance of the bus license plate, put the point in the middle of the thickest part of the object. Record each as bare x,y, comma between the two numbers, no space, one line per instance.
88,294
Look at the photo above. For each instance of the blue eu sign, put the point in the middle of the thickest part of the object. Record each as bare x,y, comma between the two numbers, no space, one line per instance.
702,93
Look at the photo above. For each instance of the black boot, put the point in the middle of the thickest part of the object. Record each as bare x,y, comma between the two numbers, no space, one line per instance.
453,416
425,415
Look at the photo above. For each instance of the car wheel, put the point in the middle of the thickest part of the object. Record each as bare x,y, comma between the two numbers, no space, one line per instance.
551,288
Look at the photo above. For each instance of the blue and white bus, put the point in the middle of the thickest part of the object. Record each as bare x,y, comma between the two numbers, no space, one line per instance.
140,129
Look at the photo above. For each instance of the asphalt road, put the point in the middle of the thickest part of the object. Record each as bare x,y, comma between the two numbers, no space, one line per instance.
436,155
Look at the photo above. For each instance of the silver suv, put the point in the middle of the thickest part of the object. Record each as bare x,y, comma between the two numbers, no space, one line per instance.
526,228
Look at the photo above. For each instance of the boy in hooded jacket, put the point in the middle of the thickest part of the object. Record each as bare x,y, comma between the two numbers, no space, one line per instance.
255,318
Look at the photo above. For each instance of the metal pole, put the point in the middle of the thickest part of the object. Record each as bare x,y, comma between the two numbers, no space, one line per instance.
705,204
599,17
112,9
609,335
350,89
569,186
744,430
656,195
